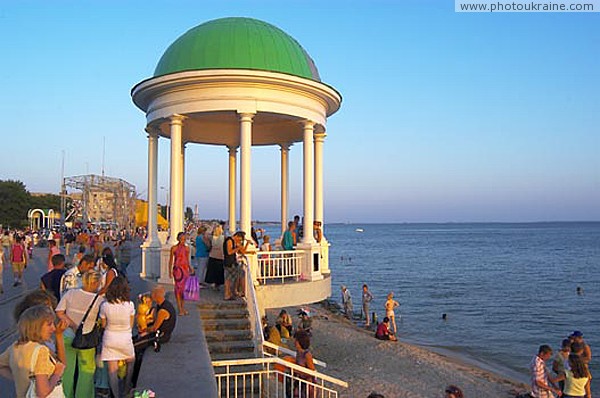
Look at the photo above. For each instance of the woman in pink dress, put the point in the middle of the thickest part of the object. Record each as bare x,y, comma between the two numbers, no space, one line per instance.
179,269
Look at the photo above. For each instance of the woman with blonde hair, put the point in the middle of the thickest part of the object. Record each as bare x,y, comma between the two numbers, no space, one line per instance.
215,273
390,304
29,362
72,309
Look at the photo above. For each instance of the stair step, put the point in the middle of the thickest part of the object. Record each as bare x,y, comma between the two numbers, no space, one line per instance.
225,356
225,324
231,346
224,314
227,335
223,305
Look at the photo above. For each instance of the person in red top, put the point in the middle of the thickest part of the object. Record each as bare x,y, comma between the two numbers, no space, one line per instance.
18,258
52,251
179,269
383,331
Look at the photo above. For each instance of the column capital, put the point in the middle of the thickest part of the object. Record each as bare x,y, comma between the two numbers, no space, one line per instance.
232,150
308,124
246,116
152,131
285,146
176,119
320,137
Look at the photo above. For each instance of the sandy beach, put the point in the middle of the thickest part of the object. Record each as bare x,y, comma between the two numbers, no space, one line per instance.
394,369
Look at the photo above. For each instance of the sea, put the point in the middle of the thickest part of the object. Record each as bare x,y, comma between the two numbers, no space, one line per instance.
505,288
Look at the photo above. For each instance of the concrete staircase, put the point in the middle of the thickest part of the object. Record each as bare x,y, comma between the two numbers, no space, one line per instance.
228,334
226,326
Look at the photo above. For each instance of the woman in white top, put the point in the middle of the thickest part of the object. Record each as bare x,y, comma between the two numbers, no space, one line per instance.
117,314
215,274
72,308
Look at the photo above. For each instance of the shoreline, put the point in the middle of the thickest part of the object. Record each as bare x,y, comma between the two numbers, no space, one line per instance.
398,369
470,360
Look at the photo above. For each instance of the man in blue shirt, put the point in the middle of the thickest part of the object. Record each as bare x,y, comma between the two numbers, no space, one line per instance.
202,250
288,238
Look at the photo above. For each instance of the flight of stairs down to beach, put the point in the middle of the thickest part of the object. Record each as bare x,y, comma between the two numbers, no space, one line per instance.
226,326
228,334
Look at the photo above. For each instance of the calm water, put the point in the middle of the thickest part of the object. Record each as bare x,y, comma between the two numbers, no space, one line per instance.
507,288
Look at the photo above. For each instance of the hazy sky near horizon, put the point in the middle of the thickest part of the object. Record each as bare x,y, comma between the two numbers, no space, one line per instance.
446,117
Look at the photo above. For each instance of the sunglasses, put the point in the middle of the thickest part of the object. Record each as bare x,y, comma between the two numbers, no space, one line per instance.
451,391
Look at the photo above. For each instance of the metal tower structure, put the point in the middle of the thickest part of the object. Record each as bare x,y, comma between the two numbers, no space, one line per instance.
101,199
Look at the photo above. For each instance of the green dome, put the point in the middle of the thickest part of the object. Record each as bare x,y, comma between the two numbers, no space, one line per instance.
237,43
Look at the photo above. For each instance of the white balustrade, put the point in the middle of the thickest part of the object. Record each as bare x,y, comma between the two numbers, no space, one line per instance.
279,266
272,377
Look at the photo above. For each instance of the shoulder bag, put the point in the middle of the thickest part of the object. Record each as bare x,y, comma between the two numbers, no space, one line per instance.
89,340
31,391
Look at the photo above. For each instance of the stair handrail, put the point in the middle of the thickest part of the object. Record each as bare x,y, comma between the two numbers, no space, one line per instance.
253,311
276,360
289,352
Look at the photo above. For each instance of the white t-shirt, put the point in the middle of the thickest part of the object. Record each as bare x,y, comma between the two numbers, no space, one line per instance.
75,303
117,315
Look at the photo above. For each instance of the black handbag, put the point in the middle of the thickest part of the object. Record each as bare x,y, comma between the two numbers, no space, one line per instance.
89,340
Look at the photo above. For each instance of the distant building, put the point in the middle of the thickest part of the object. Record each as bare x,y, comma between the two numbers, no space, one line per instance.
101,199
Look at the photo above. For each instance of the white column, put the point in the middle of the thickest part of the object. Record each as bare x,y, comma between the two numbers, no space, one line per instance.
183,181
309,194
176,189
245,165
152,238
232,186
319,139
151,247
285,151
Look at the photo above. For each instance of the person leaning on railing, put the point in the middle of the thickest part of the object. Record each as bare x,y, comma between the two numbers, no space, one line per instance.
232,248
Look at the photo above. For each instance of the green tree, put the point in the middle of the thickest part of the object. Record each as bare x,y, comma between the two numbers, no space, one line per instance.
14,203
47,201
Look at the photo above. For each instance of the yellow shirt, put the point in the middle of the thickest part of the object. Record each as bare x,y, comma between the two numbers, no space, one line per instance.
18,359
573,386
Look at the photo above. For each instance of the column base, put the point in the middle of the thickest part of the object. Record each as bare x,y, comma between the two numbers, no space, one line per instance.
150,262
313,258
325,257
165,254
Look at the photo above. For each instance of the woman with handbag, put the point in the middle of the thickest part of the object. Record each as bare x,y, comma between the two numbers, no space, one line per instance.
79,308
116,315
36,371
179,269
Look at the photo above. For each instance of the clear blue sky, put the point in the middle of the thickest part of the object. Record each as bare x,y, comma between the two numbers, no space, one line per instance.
446,116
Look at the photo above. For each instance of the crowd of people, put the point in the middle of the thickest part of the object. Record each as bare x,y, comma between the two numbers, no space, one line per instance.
77,333
571,378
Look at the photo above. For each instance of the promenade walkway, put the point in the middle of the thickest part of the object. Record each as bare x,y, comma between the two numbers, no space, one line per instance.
182,368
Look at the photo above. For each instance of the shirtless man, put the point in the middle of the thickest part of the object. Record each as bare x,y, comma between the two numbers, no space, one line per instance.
577,337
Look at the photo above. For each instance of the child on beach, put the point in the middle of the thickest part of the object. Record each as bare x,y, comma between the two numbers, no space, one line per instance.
390,304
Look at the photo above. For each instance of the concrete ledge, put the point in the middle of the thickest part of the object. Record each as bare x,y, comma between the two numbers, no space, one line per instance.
293,294
183,367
